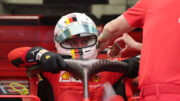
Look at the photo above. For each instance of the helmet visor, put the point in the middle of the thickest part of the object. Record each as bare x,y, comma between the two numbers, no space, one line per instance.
81,42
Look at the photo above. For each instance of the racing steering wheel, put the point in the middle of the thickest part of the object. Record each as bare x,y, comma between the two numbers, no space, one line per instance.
84,69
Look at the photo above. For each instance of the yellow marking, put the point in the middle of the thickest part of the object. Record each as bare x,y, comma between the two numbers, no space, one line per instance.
39,77
48,56
22,91
73,54
67,20
65,75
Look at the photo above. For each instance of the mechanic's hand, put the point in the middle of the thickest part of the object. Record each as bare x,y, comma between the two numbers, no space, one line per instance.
49,61
103,41
102,45
130,44
113,51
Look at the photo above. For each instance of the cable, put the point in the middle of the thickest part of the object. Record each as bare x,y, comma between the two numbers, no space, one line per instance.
23,91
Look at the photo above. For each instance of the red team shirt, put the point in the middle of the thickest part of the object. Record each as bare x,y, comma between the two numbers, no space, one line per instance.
160,20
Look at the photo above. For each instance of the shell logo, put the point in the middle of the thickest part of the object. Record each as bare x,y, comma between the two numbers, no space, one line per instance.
65,75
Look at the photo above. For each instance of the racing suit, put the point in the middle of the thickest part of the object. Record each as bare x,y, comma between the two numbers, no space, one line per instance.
65,83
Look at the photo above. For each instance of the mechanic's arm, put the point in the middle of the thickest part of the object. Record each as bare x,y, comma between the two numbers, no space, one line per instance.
27,56
113,30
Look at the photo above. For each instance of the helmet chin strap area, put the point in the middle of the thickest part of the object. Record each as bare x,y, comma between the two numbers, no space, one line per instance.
77,53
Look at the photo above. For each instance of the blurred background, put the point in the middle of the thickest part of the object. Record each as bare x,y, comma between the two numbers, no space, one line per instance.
98,8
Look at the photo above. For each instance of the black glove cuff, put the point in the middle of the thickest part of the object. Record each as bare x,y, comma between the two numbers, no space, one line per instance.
32,53
52,62
133,68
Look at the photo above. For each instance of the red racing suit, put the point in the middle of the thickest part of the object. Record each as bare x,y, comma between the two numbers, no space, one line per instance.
65,84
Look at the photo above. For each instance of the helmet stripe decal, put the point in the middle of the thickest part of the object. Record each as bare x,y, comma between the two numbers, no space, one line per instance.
74,36
80,53
70,19
67,20
77,54
74,18
73,54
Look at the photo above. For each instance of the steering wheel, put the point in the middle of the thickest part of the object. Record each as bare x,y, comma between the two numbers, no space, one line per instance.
84,69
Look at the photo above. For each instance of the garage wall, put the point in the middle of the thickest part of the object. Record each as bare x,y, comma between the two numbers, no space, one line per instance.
37,7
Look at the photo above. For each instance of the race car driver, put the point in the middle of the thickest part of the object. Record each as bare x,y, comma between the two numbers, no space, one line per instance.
75,34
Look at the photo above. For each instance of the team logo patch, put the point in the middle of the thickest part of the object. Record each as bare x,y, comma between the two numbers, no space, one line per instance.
65,75
68,77
96,78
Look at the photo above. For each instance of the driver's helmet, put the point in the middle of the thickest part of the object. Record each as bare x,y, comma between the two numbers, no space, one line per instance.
72,29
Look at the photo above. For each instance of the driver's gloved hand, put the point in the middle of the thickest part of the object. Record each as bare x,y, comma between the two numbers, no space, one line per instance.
49,61
133,67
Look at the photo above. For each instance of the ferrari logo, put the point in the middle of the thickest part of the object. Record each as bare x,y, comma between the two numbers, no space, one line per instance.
96,78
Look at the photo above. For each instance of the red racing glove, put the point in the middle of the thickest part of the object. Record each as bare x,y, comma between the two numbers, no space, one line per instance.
49,61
